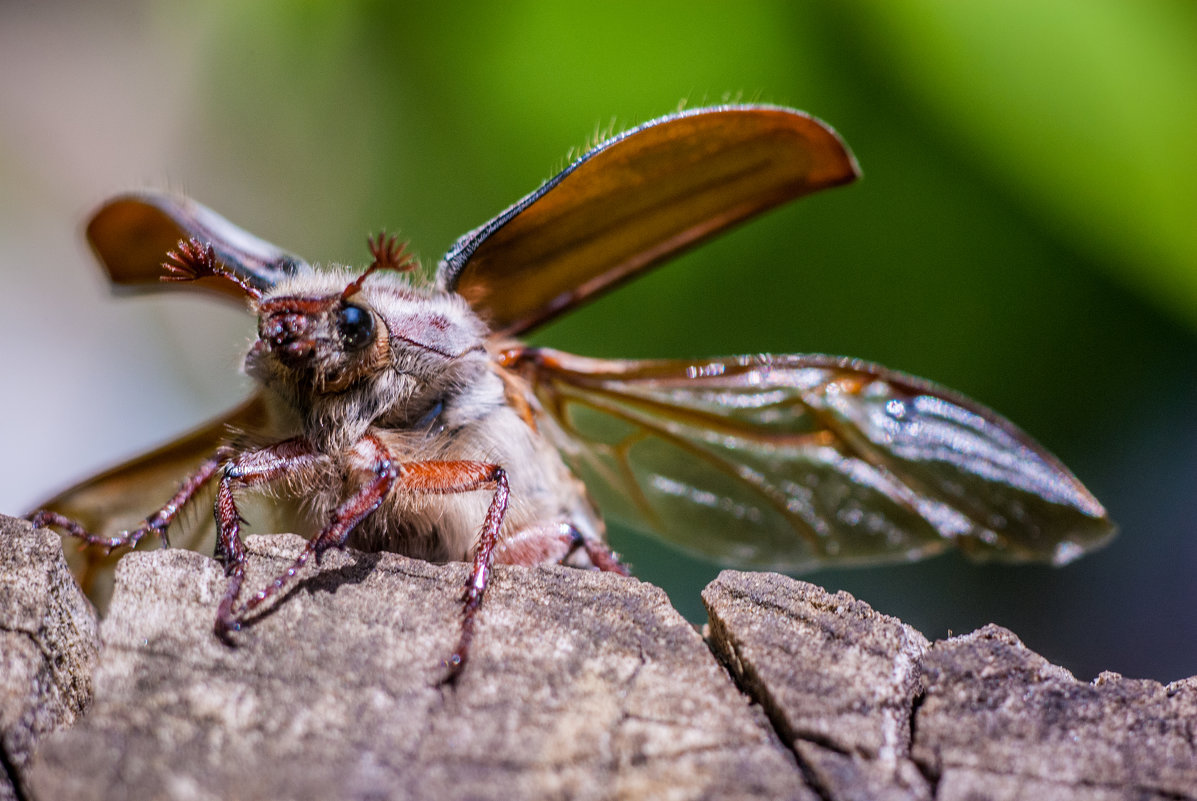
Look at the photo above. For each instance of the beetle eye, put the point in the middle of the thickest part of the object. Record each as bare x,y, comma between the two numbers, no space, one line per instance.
356,327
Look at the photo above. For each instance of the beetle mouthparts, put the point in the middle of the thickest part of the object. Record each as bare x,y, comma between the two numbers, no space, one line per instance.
290,329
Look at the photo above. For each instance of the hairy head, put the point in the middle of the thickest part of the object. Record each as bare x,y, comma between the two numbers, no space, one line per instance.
344,352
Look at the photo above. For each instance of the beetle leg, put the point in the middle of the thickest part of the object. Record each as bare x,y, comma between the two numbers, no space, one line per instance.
437,477
451,477
344,518
44,519
556,543
601,555
246,470
156,523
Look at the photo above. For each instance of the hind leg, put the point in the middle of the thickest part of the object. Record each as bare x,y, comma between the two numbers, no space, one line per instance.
557,543
156,523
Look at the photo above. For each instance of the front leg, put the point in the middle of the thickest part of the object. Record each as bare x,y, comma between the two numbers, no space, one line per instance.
345,517
248,469
434,477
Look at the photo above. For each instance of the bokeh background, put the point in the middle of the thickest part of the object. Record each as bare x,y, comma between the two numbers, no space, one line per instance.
1026,231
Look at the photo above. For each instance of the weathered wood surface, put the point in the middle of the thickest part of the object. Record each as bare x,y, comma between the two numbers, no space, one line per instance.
49,644
580,685
873,711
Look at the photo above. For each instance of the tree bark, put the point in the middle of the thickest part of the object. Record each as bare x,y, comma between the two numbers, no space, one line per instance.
579,685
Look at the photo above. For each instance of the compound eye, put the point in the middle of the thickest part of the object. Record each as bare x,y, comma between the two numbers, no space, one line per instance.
356,326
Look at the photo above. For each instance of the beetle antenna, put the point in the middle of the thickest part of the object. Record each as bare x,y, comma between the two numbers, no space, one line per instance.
389,254
193,260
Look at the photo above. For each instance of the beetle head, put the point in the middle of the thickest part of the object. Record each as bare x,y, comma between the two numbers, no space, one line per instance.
341,350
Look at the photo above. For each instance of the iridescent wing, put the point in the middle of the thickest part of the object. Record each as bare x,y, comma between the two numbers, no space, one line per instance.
796,462
132,234
636,200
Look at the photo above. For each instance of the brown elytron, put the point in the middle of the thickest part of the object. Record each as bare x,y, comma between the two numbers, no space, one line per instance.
395,415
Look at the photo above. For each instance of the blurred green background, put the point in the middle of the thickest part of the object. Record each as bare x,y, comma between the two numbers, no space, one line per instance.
1026,231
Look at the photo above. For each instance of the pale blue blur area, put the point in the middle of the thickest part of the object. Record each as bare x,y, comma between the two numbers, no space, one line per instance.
1024,232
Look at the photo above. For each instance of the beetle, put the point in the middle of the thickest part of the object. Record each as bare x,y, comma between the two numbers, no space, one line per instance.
405,415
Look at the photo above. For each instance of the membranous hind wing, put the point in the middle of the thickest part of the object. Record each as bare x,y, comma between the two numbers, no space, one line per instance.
636,200
796,462
133,233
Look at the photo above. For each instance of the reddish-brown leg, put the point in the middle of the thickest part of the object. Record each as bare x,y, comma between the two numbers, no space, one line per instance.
246,470
157,523
602,557
448,477
344,518
556,542
426,477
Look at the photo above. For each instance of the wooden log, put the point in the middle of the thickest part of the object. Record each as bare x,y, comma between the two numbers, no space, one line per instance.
580,685
49,645
873,711
838,680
